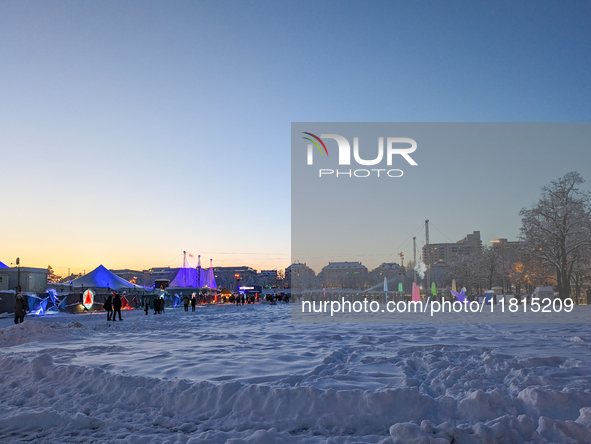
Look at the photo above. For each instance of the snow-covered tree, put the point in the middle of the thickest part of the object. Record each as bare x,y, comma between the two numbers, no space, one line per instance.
581,268
558,226
528,272
51,276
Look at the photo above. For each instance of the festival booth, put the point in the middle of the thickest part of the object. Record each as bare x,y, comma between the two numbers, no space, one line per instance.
225,295
90,291
32,282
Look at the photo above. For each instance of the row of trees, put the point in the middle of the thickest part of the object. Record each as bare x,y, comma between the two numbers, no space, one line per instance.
556,248
557,231
481,269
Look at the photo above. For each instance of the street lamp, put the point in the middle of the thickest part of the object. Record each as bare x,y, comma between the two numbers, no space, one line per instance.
18,275
239,296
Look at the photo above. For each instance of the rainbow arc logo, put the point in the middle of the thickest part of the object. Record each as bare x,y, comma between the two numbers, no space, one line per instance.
314,142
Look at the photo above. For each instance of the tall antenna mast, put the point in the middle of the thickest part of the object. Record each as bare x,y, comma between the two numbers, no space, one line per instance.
427,254
184,268
414,251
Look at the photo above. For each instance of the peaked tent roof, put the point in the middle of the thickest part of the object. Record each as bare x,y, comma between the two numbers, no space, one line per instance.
3,265
186,277
100,277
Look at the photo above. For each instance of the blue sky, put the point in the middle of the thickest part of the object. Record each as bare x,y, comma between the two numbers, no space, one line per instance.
130,131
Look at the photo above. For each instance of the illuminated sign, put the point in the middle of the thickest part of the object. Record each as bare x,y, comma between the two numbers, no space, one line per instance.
88,299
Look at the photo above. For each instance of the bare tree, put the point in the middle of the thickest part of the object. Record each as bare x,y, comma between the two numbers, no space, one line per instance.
558,226
51,276
465,269
581,267
491,268
305,281
481,269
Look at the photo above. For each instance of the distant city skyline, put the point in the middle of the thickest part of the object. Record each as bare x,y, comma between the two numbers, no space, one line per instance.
131,131
468,177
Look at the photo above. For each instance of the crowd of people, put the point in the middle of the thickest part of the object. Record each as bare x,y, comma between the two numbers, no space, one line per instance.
158,305
241,299
279,297
114,303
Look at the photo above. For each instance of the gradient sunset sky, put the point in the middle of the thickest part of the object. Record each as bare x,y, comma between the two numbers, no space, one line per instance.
131,131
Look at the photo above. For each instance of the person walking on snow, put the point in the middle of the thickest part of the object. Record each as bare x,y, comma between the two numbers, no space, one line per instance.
117,307
108,305
186,302
20,309
193,303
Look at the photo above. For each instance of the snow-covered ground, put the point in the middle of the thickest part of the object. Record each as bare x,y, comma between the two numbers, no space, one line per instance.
247,374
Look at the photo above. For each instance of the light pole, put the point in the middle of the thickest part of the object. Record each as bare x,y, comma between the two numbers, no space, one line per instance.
18,275
500,243
239,296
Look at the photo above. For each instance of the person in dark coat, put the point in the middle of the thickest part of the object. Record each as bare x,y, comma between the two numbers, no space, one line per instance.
186,302
20,308
193,303
108,305
162,304
117,306
147,305
156,305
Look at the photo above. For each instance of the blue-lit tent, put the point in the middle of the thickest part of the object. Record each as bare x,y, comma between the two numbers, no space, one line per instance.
100,277
3,265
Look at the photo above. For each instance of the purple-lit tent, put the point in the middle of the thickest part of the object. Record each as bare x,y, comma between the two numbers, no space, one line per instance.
211,283
3,265
201,275
186,277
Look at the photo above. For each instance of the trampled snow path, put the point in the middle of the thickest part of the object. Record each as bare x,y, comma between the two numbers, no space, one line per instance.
246,374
